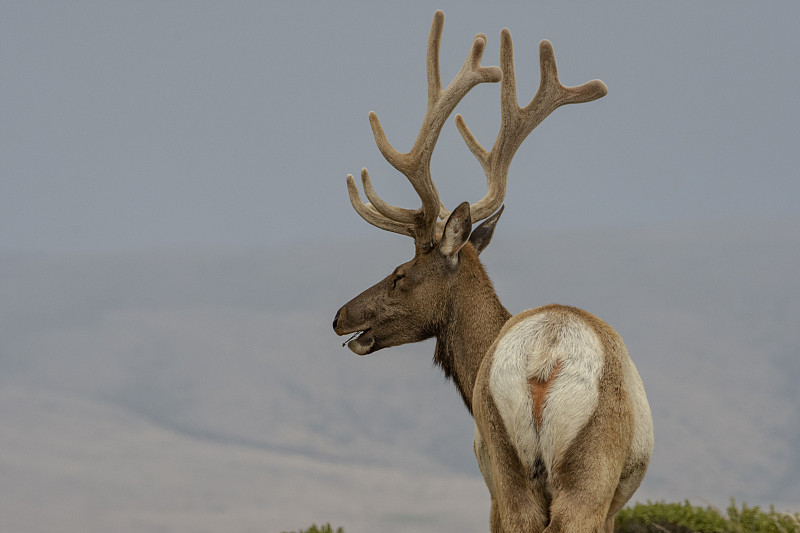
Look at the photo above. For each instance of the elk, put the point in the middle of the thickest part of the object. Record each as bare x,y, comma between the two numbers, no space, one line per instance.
563,431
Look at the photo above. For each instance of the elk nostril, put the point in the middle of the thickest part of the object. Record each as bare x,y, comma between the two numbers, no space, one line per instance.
336,319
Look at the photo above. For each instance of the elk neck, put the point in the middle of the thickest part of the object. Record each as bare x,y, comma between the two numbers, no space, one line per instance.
473,317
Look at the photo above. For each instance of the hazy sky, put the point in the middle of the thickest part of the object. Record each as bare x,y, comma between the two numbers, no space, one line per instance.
131,125
172,175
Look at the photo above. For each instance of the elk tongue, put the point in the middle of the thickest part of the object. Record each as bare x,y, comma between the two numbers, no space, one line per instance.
353,336
361,345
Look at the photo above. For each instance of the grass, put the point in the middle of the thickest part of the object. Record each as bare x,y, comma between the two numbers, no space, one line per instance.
661,517
686,518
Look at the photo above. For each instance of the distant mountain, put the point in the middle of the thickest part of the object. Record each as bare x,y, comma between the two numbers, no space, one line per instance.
155,388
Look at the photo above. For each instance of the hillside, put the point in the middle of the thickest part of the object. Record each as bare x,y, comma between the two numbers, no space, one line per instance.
176,390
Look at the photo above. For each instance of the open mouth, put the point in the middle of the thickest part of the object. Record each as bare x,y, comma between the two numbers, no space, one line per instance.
360,343
355,335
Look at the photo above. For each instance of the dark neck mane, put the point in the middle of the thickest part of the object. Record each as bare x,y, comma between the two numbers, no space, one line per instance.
473,318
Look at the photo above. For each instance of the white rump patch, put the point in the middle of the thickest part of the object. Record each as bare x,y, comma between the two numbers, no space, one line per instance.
531,349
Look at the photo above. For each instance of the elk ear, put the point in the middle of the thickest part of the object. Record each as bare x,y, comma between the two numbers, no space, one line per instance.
456,232
482,235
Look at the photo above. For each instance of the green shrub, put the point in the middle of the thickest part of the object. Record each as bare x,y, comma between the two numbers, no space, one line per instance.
322,529
685,518
661,517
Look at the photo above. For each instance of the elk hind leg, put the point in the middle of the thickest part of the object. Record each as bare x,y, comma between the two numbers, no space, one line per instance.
585,508
521,506
620,498
495,523
519,502
585,495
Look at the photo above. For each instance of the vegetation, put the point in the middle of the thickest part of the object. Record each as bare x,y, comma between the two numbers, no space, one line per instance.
663,517
322,529
660,517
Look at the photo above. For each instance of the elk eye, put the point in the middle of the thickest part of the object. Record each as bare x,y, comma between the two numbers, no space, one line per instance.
396,279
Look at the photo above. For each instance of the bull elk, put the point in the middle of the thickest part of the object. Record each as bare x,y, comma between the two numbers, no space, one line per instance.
563,432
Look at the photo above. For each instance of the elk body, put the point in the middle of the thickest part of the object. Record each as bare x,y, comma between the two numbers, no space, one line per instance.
563,432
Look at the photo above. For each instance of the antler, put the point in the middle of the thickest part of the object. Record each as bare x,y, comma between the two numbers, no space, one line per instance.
518,122
415,165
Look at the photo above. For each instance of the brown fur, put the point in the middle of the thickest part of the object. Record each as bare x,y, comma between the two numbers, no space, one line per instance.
476,315
467,319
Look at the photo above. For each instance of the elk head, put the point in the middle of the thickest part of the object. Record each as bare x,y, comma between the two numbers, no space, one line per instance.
415,301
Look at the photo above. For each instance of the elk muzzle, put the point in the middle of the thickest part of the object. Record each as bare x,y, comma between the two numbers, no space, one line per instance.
362,343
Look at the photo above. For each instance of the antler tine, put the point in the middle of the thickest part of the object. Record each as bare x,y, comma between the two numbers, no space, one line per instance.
517,123
415,164
369,213
389,211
